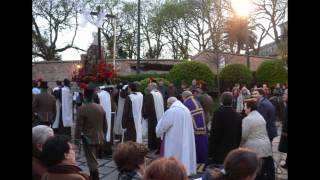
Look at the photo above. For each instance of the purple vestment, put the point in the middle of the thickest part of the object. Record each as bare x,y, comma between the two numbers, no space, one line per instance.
200,130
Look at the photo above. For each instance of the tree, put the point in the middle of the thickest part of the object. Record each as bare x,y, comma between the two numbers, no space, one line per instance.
274,11
239,32
49,18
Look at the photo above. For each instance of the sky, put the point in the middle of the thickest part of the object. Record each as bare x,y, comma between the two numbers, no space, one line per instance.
84,38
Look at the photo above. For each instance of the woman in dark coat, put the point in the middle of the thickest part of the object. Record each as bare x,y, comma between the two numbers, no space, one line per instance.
283,144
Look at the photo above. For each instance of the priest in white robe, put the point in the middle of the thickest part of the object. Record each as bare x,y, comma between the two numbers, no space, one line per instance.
64,123
176,129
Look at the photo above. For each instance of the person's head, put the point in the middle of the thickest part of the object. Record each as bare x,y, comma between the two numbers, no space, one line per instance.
186,94
59,83
278,85
250,105
152,86
194,82
40,134
285,96
171,84
195,92
44,85
237,85
244,86
258,93
88,94
226,98
133,87
171,100
130,156
161,82
58,149
66,82
183,85
240,164
39,81
264,86
235,91
165,169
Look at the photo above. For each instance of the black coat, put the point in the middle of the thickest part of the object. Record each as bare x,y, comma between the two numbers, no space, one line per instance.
226,132
283,144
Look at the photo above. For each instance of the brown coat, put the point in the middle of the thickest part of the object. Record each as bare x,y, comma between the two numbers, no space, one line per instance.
91,121
38,169
45,105
65,172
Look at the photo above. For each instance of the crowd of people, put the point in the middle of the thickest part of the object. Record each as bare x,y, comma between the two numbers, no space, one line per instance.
232,142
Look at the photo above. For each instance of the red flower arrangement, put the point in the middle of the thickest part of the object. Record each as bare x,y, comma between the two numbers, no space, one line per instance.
99,74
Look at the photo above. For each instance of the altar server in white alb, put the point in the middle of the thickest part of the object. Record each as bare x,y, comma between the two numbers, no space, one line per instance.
176,129
63,124
132,114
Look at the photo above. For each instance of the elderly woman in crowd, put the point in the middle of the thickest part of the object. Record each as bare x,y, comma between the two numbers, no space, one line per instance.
40,134
165,169
129,158
255,137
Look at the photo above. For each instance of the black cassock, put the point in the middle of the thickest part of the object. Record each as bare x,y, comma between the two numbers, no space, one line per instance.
150,114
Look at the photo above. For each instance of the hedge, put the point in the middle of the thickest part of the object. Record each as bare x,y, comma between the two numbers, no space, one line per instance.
189,70
235,73
271,72
139,77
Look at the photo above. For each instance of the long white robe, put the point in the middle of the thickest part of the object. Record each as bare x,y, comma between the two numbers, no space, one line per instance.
66,103
58,105
179,141
158,104
117,129
105,102
137,101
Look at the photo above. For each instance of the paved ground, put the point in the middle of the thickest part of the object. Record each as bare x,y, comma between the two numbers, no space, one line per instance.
108,171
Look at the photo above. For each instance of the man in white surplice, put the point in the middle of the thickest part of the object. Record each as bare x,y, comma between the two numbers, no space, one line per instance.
153,110
64,123
105,102
176,129
132,114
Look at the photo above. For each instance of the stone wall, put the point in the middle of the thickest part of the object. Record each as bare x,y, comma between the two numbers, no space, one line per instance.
53,71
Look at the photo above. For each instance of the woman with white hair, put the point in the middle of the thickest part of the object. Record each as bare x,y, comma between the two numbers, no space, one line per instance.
40,134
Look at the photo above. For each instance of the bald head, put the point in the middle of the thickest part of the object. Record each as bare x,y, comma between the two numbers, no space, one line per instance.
152,86
186,94
171,100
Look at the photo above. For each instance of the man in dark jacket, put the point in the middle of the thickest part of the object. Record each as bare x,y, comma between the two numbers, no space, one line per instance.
226,129
267,110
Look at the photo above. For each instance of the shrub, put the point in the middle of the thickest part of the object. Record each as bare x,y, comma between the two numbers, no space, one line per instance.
139,77
144,83
235,73
272,72
189,70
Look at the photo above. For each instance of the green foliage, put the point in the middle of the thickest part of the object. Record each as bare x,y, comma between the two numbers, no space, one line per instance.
235,73
139,77
189,70
144,83
271,72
